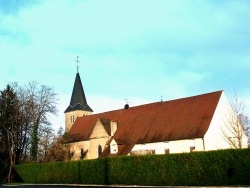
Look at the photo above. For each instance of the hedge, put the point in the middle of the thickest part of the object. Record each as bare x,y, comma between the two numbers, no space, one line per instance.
215,168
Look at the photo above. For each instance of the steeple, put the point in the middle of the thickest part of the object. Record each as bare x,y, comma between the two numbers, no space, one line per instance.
78,100
78,104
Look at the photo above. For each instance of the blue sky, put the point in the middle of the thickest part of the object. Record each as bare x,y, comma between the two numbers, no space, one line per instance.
138,50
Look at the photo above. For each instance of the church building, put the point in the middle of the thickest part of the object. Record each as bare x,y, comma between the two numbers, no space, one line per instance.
196,123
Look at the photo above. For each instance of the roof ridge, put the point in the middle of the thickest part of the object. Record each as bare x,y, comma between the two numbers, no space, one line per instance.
132,107
219,91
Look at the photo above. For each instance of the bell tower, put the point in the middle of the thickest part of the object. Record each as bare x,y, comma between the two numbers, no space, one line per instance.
78,104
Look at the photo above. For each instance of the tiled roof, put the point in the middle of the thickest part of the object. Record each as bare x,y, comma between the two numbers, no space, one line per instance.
78,100
185,118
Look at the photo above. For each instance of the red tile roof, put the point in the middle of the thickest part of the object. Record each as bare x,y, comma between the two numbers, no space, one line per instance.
178,119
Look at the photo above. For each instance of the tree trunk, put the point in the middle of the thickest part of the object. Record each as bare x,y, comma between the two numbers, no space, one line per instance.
34,142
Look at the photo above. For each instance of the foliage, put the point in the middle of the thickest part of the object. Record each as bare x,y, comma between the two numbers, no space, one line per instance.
11,125
215,168
201,168
20,124
58,150
94,171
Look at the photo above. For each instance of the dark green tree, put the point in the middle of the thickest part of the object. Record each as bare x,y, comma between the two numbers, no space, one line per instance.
10,123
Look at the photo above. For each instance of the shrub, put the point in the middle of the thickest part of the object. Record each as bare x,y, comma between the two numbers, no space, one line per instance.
215,168
94,171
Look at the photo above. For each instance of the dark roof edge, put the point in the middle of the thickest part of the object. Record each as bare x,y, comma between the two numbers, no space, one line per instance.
78,107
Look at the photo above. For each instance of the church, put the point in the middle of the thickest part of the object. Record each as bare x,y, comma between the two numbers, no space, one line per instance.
196,123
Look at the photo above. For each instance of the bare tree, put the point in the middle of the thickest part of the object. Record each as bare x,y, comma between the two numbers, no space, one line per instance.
59,149
43,102
25,126
46,137
60,131
237,124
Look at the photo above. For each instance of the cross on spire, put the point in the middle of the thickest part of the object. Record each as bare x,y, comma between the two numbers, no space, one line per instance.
77,61
126,101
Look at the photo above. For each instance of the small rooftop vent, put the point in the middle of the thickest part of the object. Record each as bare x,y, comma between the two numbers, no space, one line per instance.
126,106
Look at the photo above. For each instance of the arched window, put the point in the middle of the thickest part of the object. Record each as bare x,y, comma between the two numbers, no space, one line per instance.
99,150
82,154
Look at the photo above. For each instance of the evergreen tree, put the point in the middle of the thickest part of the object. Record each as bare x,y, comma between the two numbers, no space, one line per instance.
9,127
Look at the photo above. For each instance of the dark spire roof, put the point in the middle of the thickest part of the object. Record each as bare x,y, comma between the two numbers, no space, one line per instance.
78,100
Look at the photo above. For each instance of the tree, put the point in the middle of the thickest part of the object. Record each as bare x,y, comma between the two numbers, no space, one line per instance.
11,124
60,131
25,125
43,102
59,149
237,124
24,122
46,136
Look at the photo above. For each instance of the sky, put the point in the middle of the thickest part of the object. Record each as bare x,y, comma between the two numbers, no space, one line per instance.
140,51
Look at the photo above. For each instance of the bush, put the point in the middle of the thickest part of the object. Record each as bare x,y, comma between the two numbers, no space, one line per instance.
215,168
57,172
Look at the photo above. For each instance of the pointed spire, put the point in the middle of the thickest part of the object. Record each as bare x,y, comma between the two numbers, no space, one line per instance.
78,100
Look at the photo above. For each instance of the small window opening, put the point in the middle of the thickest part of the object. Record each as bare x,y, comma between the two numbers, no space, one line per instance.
72,119
114,148
99,150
